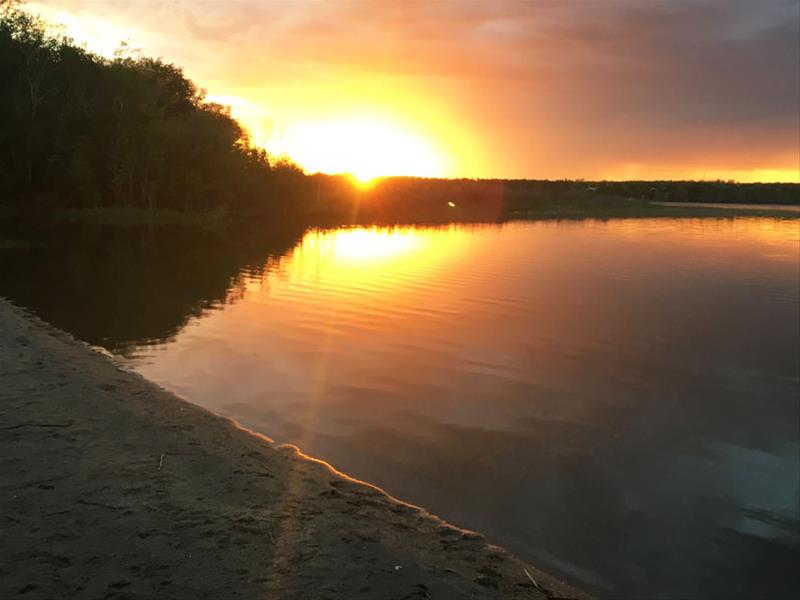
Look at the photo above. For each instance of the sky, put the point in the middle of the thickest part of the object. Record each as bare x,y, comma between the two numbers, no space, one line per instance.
595,89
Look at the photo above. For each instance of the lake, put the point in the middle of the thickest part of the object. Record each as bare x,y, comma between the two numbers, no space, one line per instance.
615,401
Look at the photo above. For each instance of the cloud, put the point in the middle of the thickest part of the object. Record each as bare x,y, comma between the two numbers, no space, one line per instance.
561,88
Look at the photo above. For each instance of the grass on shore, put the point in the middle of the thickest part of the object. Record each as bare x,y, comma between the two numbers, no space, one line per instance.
126,216
122,216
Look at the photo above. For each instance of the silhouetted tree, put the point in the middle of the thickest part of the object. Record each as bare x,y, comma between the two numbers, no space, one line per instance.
80,130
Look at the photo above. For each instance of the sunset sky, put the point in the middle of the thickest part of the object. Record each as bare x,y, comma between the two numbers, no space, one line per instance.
615,89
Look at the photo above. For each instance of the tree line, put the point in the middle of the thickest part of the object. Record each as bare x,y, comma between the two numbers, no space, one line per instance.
719,192
79,130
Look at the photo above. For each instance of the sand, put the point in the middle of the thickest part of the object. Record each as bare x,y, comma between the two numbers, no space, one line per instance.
111,487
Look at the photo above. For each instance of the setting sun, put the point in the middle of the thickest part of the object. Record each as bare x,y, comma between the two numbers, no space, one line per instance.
366,148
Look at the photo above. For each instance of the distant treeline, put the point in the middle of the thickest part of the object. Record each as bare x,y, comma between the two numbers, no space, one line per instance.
442,199
81,131
721,192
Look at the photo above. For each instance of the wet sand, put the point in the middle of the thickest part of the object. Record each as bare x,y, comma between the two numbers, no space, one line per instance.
111,487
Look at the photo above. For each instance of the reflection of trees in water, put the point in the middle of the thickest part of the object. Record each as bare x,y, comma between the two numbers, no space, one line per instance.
119,287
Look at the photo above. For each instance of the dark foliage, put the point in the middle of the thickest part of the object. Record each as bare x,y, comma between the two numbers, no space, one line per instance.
77,130
721,192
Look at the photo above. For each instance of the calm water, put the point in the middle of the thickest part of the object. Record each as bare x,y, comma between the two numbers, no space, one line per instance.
615,401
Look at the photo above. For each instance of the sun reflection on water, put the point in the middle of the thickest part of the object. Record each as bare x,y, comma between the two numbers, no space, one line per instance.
365,252
366,245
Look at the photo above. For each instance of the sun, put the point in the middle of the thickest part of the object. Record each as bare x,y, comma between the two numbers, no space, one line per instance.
363,182
366,148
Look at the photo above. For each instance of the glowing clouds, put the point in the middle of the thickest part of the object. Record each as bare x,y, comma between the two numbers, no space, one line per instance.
98,34
607,89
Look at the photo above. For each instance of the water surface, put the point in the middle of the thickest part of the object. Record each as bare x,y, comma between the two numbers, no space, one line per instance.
616,401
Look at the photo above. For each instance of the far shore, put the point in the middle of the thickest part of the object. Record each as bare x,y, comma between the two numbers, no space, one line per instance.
781,208
114,488
431,213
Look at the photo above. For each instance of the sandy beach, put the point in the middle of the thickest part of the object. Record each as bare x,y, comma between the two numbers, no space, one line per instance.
114,488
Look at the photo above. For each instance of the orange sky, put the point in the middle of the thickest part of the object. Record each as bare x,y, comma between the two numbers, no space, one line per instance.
612,89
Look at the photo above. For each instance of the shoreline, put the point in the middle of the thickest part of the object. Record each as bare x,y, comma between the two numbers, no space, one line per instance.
218,221
761,208
113,487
